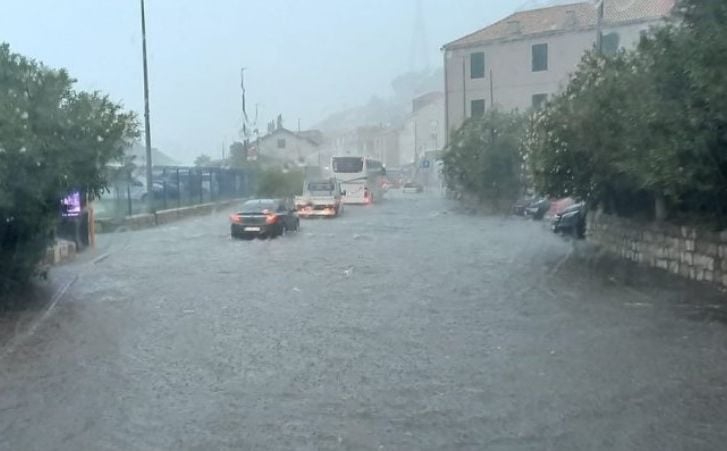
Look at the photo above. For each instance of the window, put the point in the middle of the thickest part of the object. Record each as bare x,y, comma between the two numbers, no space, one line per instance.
611,43
257,206
348,165
373,165
477,108
539,100
477,65
321,186
540,57
281,143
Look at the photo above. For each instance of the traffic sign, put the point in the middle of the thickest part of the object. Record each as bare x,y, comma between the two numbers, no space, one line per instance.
426,164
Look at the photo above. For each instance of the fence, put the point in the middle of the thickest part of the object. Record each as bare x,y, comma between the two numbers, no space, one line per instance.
174,187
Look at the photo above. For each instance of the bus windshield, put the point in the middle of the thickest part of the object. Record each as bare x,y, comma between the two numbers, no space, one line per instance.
348,165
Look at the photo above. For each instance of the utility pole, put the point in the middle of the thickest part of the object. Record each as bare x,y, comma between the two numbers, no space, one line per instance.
244,111
599,27
464,90
147,126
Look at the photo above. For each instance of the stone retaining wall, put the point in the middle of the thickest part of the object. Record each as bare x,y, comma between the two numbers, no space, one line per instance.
689,252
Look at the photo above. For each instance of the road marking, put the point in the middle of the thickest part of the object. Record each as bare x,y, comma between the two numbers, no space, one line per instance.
19,339
101,258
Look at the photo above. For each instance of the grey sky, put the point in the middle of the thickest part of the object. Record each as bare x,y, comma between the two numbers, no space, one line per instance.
306,58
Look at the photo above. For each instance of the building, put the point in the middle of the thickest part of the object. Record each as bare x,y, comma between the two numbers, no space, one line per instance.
396,145
386,147
287,147
364,141
424,129
137,153
517,62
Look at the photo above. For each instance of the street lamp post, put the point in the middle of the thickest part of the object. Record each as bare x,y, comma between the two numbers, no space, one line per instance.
147,126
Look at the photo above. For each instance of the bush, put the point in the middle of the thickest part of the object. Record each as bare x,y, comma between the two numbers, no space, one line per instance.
483,158
644,130
53,140
280,183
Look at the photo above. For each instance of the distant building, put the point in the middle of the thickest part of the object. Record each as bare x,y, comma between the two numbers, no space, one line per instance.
363,141
518,62
158,158
386,147
423,130
287,147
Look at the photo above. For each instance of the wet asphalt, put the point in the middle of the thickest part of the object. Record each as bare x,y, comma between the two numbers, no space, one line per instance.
407,325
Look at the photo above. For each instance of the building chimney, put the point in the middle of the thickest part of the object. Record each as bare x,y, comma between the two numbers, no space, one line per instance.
571,19
513,27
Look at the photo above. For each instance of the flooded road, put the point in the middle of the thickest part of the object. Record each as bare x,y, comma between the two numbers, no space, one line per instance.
404,325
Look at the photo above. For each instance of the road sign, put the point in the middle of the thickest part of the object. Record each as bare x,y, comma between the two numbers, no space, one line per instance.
426,164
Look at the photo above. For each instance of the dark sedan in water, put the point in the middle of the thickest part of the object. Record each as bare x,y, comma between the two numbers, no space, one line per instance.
264,218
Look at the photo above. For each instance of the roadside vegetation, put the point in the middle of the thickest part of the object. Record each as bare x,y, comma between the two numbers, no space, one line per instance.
640,133
276,182
53,140
484,159
644,133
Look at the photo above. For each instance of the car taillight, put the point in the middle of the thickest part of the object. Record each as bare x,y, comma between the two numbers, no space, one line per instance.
236,219
271,219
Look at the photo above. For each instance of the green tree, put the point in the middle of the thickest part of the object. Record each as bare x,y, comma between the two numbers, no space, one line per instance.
53,140
643,132
276,182
238,155
203,161
484,158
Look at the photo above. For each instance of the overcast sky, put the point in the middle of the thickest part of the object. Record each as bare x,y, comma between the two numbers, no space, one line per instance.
305,58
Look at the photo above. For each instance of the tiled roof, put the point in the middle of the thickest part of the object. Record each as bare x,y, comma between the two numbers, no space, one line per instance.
618,11
575,16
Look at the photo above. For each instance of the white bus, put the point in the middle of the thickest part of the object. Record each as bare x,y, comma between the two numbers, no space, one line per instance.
361,179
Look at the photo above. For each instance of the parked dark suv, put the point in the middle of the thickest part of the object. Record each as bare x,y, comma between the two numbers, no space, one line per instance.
572,220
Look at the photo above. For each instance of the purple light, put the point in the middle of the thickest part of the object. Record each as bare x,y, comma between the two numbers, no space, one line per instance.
71,205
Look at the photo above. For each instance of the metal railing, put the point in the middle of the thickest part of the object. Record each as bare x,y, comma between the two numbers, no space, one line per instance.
174,187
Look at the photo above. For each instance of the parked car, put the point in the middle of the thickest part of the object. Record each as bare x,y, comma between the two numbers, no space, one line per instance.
158,191
264,218
537,208
571,220
411,187
518,208
558,205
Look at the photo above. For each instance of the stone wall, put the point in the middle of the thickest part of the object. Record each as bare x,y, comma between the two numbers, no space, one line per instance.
689,252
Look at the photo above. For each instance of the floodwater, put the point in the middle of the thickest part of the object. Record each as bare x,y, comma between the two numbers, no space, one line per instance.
404,325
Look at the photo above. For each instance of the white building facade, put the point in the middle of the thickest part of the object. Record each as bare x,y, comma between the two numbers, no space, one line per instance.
518,62
424,130
286,147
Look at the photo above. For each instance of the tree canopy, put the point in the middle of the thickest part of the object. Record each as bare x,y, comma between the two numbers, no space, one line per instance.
53,140
203,161
483,157
648,126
